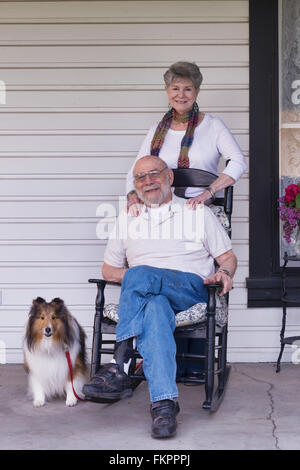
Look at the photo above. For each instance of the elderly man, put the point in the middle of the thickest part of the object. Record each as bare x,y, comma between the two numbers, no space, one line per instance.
170,250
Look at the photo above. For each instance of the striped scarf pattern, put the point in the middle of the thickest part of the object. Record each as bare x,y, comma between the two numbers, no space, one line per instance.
164,126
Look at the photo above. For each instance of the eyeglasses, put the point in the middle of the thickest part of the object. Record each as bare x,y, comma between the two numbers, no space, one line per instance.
153,175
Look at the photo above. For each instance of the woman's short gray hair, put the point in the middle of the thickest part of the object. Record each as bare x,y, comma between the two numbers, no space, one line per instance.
185,70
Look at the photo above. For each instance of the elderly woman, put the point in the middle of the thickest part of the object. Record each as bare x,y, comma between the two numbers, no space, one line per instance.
189,138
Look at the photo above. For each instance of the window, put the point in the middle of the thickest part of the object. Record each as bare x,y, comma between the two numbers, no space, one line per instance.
264,286
289,103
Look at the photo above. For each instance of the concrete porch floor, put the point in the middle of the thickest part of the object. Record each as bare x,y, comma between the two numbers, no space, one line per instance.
261,410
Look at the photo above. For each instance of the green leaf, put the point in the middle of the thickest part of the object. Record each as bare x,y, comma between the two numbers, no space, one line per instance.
298,201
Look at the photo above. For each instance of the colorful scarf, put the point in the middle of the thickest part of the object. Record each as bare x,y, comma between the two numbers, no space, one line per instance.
164,126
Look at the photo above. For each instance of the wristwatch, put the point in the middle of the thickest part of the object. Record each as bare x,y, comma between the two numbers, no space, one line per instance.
223,270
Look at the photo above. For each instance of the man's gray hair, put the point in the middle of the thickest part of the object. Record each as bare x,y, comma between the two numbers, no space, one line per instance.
183,70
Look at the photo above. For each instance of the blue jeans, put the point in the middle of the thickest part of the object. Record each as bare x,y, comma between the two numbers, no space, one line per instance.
149,298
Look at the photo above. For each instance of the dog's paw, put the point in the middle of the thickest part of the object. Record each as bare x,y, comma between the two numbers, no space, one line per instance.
71,401
39,402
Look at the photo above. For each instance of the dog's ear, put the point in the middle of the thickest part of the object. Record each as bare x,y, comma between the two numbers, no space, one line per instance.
35,305
58,304
38,300
58,301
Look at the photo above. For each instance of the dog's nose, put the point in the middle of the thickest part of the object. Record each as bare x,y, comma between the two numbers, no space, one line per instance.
48,330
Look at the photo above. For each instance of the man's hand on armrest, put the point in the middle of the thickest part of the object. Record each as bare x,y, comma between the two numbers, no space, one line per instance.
227,266
113,274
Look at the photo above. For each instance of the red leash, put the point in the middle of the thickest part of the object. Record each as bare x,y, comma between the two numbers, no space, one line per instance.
71,375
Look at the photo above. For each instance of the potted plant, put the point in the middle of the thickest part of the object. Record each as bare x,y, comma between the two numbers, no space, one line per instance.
289,210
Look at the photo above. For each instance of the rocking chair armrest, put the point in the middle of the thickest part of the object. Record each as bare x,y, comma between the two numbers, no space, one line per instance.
97,281
100,299
211,301
103,282
213,285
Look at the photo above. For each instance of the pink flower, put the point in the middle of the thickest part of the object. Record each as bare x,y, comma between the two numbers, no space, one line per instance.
289,214
291,192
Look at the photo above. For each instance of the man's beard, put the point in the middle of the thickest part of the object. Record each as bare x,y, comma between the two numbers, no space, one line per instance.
157,198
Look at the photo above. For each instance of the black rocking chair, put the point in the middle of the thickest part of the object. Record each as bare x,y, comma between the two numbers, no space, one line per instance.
208,328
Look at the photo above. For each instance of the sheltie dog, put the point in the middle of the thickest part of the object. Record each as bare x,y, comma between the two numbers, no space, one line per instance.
50,331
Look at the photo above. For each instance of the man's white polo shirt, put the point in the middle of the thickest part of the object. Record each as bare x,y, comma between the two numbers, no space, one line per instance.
170,236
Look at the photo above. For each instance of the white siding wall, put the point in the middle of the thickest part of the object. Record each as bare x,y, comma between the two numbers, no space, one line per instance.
83,84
